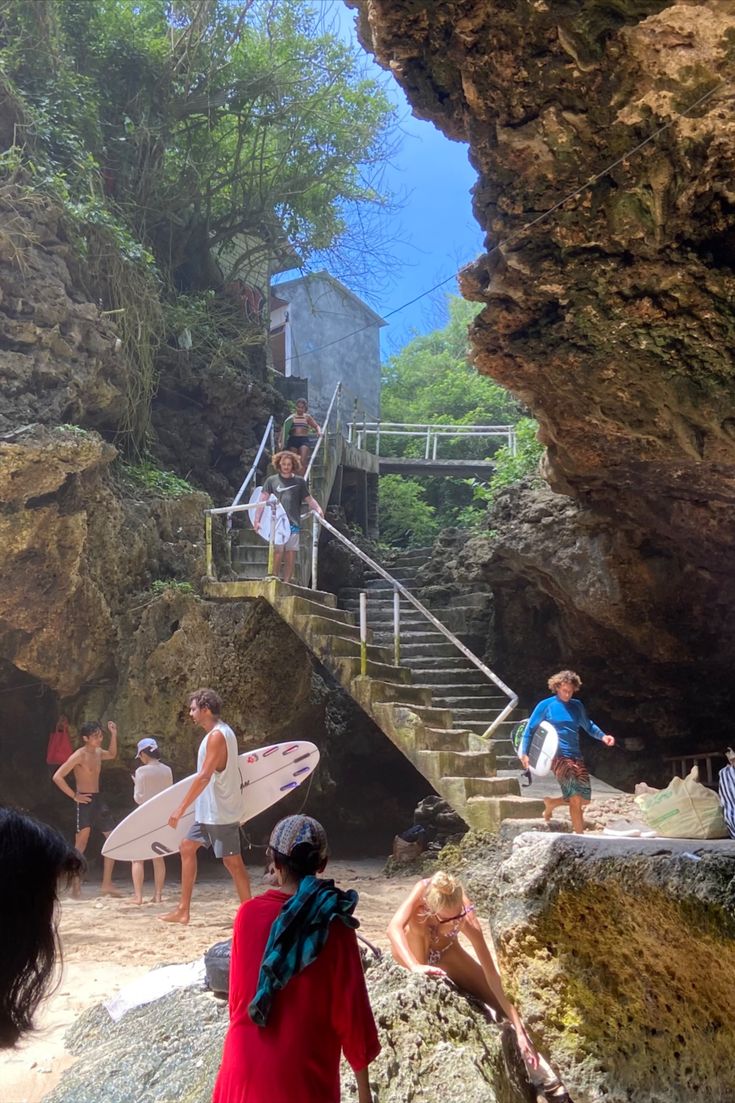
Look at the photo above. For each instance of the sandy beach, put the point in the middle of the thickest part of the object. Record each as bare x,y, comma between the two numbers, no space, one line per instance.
108,943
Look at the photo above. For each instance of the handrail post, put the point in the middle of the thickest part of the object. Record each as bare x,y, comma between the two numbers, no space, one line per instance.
428,441
396,626
272,539
363,633
269,431
314,552
208,551
428,615
436,441
377,438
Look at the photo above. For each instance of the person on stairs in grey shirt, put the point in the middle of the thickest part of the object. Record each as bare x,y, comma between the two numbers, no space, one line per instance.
292,492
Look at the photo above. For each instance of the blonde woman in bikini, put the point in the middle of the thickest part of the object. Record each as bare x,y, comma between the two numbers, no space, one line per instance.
424,937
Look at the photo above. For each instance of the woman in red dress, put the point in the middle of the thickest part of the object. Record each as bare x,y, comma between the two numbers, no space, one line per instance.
297,991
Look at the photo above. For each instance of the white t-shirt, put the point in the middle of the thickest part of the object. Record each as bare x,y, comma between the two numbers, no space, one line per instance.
150,780
221,801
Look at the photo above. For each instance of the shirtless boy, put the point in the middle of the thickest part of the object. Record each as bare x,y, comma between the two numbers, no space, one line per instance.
91,808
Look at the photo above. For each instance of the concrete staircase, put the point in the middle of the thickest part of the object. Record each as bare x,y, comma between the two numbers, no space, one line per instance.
454,682
410,702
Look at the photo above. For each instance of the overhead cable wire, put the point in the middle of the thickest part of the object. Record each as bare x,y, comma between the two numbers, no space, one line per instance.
514,234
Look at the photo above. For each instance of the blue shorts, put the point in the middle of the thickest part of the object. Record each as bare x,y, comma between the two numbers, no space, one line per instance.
224,838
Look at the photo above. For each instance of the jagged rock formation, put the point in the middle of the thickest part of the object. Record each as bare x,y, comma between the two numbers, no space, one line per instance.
579,926
87,623
612,317
60,357
435,1044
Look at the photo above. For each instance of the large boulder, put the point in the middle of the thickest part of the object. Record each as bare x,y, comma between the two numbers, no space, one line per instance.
621,955
435,1044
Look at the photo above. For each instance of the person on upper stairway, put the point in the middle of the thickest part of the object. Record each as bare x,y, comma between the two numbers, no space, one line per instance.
296,433
569,716
292,492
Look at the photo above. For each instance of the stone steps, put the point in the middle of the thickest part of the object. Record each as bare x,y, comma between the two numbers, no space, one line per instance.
454,677
427,650
421,704
427,661
462,705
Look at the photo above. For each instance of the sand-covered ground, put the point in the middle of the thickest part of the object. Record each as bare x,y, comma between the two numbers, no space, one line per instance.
109,942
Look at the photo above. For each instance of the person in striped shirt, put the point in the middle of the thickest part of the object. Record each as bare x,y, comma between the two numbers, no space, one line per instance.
726,786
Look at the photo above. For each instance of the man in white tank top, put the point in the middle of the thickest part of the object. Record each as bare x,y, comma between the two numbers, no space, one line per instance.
216,795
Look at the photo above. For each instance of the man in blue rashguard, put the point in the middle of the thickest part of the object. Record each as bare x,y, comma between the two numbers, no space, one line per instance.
569,716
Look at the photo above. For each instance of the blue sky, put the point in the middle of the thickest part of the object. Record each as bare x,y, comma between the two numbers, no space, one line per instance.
434,232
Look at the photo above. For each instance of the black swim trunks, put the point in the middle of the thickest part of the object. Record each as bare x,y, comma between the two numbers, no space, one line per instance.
95,814
297,442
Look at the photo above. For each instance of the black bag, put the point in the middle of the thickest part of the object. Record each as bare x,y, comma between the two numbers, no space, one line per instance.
217,968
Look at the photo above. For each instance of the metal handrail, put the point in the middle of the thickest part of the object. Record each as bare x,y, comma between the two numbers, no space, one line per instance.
337,391
268,431
398,587
457,428
431,431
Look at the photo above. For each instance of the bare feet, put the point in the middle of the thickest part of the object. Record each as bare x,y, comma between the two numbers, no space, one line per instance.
76,888
177,916
109,890
156,900
548,808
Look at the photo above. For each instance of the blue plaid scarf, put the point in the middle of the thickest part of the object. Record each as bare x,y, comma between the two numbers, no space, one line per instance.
298,936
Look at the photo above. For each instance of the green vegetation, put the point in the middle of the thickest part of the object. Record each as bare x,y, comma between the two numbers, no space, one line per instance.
171,585
188,143
509,469
75,430
406,518
163,484
430,381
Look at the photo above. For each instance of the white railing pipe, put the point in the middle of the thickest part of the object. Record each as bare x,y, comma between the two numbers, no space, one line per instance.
314,555
400,588
363,633
266,435
324,431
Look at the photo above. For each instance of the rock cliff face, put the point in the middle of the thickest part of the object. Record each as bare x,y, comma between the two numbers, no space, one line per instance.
578,924
611,317
93,617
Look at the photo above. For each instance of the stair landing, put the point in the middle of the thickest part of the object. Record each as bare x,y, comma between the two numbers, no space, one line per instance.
456,762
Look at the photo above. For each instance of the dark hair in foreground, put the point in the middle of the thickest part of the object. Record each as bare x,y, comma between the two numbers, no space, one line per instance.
33,859
206,699
303,861
89,728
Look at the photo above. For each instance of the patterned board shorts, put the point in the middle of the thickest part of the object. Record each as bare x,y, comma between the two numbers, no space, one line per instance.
573,777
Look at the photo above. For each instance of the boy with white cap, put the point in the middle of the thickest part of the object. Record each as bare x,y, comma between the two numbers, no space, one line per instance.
151,778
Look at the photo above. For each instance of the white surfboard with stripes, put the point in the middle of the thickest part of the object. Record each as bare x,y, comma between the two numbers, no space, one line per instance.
267,774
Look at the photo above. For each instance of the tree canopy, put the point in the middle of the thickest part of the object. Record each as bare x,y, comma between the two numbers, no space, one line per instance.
203,124
432,380
189,143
